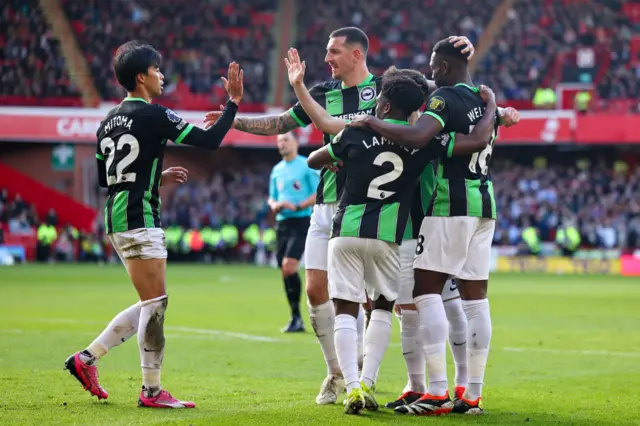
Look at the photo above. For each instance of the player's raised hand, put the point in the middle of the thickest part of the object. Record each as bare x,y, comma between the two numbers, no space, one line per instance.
510,117
295,67
463,41
174,175
233,85
487,94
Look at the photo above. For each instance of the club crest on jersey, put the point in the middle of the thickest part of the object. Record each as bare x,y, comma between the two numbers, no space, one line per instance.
297,186
367,93
436,104
173,117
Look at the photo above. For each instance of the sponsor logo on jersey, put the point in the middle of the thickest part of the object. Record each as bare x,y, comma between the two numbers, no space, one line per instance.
436,104
173,117
367,93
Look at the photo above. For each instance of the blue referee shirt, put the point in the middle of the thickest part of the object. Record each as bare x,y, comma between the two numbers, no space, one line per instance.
293,181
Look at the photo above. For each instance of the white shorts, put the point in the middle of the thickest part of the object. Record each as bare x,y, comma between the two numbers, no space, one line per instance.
405,290
459,246
317,244
363,266
141,243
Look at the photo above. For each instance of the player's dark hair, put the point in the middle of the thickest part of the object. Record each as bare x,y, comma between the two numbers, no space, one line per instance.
414,75
444,48
352,35
131,59
403,93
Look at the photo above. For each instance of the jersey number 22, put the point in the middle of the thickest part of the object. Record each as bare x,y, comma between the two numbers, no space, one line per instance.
107,144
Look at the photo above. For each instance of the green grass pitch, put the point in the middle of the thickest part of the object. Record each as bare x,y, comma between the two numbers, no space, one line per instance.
565,350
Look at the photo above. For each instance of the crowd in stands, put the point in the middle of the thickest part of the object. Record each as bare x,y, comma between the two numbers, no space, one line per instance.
31,66
594,41
600,199
401,32
198,40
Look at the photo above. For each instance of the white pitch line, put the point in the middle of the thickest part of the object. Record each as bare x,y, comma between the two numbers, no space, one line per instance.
574,352
230,334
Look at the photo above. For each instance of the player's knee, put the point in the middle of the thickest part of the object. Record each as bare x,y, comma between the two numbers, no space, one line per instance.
289,267
317,287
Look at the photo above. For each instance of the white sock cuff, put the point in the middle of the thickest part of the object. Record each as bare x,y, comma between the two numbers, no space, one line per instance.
326,307
427,299
382,316
472,303
154,300
345,321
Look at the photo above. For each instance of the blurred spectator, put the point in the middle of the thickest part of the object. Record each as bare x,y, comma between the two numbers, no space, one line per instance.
31,64
198,40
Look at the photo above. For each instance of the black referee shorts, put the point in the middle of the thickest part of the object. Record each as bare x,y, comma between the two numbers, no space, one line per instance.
291,236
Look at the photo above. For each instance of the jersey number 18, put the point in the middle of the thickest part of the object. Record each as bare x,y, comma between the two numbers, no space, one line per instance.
479,163
109,147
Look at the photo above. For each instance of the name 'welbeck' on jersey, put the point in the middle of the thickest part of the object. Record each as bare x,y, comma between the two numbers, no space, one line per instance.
384,141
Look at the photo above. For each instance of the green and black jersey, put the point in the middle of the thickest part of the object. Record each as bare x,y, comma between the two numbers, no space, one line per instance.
343,103
379,184
131,143
463,183
421,199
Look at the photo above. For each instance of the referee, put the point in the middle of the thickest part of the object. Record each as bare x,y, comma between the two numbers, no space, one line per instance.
292,194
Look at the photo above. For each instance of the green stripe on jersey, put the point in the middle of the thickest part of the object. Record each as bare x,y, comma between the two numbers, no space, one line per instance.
388,221
329,188
146,205
441,201
334,102
184,134
474,198
100,156
119,212
292,113
494,212
351,220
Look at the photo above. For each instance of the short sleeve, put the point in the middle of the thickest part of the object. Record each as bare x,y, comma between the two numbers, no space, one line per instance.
438,106
273,188
338,146
170,125
298,113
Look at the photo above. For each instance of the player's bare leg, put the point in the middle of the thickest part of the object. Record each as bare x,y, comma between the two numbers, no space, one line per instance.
476,308
427,294
322,316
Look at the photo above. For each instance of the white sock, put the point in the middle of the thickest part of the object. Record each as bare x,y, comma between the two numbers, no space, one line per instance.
119,330
434,330
376,343
346,344
458,338
322,321
151,342
479,338
360,320
412,351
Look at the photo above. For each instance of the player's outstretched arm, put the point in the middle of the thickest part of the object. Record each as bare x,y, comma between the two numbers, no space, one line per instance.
212,137
267,125
413,137
320,117
482,133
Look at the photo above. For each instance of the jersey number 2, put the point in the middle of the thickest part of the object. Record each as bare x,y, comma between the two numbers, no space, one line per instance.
479,160
374,187
107,144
